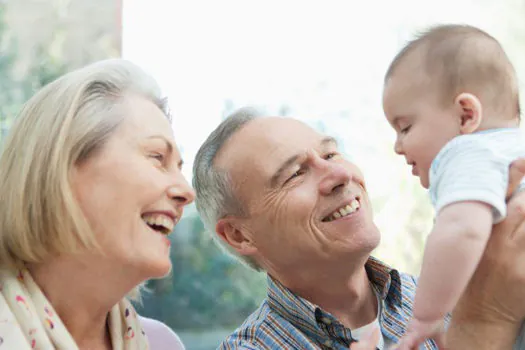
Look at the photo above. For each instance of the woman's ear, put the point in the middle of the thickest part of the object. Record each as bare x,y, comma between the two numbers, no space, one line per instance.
469,111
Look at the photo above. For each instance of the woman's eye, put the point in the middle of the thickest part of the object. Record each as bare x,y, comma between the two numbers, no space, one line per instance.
406,129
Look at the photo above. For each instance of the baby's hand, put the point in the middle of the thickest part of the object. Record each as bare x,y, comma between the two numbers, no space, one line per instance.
419,331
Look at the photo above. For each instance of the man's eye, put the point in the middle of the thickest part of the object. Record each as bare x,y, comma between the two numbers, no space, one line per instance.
330,155
294,175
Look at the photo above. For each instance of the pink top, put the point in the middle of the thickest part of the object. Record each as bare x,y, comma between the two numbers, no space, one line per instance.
160,336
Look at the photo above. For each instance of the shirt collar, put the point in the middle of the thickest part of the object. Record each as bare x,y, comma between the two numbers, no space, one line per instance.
296,310
308,317
385,280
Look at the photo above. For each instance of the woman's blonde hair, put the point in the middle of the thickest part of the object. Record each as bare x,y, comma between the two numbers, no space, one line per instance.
60,126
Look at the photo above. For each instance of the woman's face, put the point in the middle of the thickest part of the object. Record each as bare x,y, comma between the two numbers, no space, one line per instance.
132,192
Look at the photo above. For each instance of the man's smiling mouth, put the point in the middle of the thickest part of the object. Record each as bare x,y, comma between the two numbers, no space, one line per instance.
345,210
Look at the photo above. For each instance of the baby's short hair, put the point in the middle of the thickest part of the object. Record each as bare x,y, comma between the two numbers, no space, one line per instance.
463,58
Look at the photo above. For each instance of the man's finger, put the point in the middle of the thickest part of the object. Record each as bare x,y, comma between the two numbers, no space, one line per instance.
516,173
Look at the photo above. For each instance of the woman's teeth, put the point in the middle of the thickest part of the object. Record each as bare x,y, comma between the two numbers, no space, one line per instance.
159,222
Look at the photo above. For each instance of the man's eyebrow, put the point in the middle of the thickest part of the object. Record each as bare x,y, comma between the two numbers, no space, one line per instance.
329,139
287,163
293,159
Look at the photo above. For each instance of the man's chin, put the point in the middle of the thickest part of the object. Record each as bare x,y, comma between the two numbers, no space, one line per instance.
364,244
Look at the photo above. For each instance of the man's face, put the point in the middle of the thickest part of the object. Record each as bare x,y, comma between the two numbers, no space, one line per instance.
305,202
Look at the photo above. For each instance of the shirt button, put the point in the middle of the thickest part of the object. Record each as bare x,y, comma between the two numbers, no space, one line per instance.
328,343
326,321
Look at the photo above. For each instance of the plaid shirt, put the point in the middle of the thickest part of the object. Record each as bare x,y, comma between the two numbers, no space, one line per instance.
287,321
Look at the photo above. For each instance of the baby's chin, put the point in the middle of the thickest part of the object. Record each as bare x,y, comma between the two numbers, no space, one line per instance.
424,182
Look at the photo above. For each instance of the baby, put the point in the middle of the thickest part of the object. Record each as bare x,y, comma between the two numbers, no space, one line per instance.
451,95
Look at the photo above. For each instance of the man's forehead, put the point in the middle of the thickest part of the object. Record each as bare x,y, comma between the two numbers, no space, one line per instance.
267,135
264,143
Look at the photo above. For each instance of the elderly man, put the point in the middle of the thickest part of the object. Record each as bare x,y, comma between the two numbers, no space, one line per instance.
282,198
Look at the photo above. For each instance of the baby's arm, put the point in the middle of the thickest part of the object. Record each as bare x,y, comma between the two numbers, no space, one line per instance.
452,252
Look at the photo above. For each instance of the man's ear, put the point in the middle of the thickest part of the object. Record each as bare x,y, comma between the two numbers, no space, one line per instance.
234,233
470,112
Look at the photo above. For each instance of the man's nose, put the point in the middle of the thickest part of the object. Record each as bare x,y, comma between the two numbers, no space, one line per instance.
335,177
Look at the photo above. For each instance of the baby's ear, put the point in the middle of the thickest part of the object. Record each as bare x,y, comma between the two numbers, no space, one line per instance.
470,112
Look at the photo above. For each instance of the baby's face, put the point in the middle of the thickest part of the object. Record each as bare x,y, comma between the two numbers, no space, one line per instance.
422,125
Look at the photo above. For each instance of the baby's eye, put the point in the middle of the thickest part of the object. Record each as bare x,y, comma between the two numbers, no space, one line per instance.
406,129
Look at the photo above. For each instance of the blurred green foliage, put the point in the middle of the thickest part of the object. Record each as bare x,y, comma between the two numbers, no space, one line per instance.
15,90
207,288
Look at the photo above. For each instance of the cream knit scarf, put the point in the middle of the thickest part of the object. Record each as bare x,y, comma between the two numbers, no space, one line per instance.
28,321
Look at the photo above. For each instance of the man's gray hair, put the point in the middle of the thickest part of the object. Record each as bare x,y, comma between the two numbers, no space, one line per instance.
215,192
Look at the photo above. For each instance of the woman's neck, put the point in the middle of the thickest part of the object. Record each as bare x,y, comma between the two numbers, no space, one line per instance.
82,298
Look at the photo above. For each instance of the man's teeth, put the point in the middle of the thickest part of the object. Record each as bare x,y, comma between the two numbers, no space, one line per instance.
159,222
344,211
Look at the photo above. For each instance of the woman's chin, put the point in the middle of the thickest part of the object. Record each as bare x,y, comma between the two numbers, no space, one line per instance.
151,268
161,269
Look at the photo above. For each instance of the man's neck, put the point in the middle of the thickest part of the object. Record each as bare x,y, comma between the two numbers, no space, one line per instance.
81,299
347,295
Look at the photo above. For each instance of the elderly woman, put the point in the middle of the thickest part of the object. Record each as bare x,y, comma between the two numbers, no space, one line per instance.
91,187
